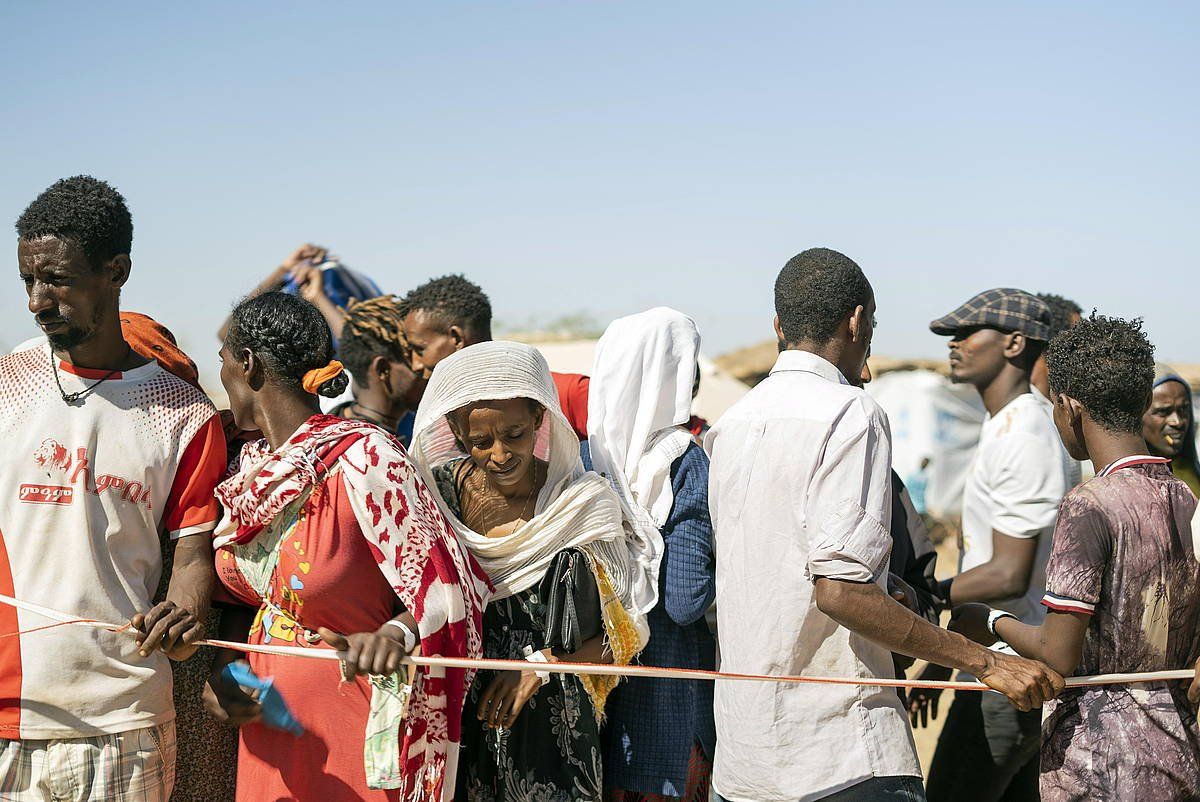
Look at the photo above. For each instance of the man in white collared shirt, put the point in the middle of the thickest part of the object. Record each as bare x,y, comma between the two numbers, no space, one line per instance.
800,495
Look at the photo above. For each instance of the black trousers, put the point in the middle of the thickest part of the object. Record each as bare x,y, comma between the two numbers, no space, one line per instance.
988,751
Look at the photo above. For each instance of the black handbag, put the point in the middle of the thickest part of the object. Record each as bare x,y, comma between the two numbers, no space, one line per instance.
572,601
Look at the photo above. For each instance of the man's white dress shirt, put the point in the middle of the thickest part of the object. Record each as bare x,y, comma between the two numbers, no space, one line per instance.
800,488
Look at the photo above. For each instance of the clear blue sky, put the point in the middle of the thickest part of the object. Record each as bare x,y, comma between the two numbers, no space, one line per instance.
605,157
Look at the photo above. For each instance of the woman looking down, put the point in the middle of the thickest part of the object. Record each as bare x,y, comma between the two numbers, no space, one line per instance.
573,579
331,537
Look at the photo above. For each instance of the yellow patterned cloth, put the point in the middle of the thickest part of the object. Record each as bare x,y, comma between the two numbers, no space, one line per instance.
621,638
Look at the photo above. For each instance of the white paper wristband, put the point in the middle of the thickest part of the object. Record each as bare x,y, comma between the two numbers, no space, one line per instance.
410,637
535,656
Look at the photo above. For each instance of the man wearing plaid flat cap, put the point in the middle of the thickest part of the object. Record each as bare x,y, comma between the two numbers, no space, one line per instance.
988,750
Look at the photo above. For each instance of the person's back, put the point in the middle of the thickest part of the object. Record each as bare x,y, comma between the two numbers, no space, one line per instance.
800,496
1125,554
1122,586
769,454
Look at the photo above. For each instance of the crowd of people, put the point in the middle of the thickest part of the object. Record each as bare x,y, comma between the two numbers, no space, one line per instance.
387,480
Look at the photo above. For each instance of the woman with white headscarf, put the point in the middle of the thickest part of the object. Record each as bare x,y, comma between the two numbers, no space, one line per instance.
659,737
574,578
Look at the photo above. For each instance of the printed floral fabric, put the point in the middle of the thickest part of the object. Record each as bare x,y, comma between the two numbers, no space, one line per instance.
552,753
410,543
1123,547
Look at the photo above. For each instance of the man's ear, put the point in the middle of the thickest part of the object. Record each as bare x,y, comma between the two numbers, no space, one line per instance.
458,336
779,330
1014,345
118,269
858,323
1072,408
381,368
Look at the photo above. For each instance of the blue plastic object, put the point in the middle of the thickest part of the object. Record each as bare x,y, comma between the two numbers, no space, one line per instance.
275,711
341,284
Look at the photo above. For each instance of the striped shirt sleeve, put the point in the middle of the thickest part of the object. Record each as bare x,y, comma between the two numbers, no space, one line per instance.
1083,546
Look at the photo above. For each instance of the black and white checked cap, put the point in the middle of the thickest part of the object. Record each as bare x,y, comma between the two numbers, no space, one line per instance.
1003,308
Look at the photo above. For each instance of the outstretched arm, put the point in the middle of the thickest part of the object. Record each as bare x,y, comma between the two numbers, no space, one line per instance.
304,254
864,608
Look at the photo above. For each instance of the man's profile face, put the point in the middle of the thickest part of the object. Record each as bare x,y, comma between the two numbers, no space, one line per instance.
68,297
977,355
429,342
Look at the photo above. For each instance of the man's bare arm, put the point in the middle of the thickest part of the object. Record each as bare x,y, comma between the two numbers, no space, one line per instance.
1005,576
1058,642
176,623
865,609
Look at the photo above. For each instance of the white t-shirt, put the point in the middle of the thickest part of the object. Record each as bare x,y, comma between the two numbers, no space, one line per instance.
85,491
1019,475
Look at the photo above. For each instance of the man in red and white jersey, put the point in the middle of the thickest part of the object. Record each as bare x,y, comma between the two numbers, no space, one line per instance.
105,452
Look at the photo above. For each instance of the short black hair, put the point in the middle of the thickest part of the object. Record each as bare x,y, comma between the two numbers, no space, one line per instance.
289,336
453,301
1107,365
372,328
1061,311
84,210
815,292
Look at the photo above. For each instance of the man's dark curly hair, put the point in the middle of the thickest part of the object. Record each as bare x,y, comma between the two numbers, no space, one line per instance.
289,335
453,301
1061,311
372,329
815,292
84,210
1107,365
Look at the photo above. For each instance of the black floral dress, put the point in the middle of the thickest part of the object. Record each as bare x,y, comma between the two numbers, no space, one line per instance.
552,752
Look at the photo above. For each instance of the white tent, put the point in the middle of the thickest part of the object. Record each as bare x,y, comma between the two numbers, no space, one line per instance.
932,420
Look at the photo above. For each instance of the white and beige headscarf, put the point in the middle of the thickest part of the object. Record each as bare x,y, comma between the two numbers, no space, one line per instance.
640,397
574,509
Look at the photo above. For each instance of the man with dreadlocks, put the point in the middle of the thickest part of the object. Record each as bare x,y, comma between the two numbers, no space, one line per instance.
447,314
372,347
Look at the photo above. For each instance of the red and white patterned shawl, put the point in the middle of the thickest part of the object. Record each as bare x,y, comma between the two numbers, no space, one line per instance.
432,575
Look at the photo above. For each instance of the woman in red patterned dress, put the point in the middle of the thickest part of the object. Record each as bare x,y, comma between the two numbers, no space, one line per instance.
332,542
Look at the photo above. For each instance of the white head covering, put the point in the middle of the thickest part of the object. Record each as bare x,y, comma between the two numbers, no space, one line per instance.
640,395
574,508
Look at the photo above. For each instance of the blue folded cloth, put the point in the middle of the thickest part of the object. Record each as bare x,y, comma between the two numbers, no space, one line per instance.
275,711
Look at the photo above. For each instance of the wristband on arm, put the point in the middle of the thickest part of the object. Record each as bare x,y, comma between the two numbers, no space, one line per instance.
995,616
410,637
535,656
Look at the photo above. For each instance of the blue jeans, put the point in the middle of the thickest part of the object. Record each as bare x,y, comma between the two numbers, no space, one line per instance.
876,789
882,789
